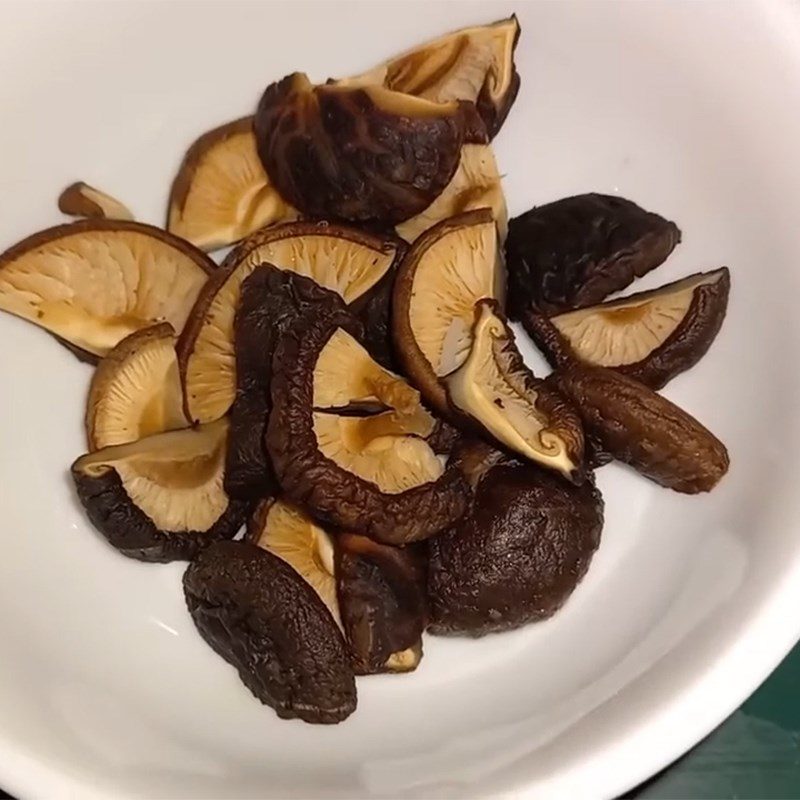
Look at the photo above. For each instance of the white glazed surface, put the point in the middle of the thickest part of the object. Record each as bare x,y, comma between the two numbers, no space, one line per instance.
688,108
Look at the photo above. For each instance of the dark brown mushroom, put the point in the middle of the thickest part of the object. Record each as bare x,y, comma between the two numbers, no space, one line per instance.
381,591
577,251
257,613
161,498
520,551
651,336
362,153
374,475
643,429
271,299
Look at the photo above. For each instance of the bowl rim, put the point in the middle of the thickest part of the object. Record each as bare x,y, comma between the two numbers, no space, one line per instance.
679,718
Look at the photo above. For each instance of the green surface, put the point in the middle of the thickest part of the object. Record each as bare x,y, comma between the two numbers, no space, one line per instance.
754,754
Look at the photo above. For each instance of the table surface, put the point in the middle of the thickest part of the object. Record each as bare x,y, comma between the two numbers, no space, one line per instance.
753,755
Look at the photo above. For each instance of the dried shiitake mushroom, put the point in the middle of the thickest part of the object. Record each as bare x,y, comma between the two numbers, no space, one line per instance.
271,299
641,428
519,552
93,282
381,592
348,261
447,270
81,200
256,612
221,193
375,592
287,532
476,184
160,498
475,64
495,389
576,251
651,336
372,474
362,153
136,390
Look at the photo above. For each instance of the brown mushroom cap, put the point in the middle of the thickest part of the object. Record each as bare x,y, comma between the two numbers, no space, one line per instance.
136,390
643,429
160,498
342,259
495,389
474,64
372,475
94,282
519,552
447,270
271,299
257,613
576,251
363,153
651,336
221,193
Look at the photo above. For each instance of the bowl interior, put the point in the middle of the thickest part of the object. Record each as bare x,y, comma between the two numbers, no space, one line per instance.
686,108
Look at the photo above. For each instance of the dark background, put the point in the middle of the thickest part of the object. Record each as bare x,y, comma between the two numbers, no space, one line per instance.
753,755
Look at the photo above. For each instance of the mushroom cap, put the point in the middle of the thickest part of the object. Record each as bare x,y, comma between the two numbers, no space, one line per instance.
160,498
94,282
256,612
372,475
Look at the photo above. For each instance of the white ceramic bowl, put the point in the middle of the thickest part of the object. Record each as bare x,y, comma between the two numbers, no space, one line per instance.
688,108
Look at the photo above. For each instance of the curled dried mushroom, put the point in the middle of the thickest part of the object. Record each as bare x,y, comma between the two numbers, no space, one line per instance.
651,336
372,474
257,613
221,193
81,200
271,299
363,153
136,390
160,498
348,261
381,592
643,429
94,282
474,64
518,553
576,251
475,184
285,531
495,389
447,270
